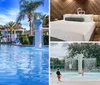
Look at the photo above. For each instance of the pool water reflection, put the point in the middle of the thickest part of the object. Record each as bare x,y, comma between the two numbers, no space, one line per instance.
24,65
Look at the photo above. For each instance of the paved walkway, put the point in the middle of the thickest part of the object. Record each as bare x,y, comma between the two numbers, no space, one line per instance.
76,83
74,80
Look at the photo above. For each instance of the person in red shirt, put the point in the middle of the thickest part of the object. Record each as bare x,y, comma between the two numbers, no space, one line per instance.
58,75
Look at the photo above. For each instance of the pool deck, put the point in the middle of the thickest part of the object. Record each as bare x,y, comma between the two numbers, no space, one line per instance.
75,80
75,83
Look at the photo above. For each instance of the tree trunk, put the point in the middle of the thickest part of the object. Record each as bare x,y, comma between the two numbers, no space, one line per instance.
10,37
31,27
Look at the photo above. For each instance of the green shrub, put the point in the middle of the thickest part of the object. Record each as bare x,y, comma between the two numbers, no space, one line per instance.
46,40
31,40
24,39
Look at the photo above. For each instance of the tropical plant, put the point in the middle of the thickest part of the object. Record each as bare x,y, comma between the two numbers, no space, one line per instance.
1,26
11,26
19,24
24,39
45,20
27,8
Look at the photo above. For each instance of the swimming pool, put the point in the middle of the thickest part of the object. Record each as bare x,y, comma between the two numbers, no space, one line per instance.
21,65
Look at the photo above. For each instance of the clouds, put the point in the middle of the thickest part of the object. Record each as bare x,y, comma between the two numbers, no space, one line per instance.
13,12
11,15
4,19
8,15
58,50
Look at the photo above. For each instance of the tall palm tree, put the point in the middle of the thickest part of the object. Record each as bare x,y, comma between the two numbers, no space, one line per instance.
27,8
11,26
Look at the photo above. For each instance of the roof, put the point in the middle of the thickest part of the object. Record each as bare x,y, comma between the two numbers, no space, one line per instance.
17,27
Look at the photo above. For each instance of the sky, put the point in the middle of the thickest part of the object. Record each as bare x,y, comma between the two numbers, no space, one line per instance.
9,10
58,50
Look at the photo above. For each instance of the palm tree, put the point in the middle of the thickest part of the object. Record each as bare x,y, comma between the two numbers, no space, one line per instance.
1,26
43,18
27,8
19,24
11,26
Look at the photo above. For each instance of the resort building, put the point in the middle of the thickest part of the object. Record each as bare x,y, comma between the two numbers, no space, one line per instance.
5,33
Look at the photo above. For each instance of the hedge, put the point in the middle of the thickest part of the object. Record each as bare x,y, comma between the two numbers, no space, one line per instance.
31,39
46,40
24,39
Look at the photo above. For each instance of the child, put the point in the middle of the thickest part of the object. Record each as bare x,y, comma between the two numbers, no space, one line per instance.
58,75
82,72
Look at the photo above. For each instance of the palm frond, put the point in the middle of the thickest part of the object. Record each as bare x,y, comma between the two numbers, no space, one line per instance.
36,15
24,5
22,1
11,25
28,7
43,16
21,16
35,5
41,1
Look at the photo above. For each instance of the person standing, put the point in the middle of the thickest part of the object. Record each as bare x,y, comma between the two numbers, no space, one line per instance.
58,74
82,72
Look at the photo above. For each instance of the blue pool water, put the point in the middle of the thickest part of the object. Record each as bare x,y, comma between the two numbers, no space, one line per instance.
21,65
